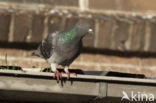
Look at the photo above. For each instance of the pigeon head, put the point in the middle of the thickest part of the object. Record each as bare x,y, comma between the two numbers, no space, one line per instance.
75,33
83,28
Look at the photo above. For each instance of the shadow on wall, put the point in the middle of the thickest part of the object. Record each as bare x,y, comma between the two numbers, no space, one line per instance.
33,46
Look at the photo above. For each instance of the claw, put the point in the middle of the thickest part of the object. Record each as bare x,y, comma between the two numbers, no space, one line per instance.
58,75
69,73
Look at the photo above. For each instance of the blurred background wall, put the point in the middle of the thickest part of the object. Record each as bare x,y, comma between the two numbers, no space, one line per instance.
124,32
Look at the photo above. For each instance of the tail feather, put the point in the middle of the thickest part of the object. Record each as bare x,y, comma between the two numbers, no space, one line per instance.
36,53
33,54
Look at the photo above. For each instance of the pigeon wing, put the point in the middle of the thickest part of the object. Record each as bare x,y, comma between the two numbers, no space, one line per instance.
48,44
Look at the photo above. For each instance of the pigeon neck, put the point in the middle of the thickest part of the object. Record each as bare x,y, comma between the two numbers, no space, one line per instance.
69,36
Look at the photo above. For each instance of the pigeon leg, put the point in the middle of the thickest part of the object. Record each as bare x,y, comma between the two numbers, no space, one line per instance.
67,72
58,75
56,72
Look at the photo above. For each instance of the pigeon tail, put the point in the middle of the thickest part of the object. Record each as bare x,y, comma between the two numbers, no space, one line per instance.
36,53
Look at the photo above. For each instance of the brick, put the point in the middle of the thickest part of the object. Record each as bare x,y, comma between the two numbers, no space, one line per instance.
62,2
138,5
22,27
15,52
37,28
70,22
100,58
83,67
16,1
148,72
152,41
149,61
106,68
31,64
54,23
104,4
138,36
123,5
121,35
105,31
4,25
49,2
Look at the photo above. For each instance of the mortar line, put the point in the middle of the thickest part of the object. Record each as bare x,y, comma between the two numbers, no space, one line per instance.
63,23
83,5
29,35
96,35
130,31
147,36
114,27
11,28
46,27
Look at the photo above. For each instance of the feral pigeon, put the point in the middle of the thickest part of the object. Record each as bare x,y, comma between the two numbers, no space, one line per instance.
63,47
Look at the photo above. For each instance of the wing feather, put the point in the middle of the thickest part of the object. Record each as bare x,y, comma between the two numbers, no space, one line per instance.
48,44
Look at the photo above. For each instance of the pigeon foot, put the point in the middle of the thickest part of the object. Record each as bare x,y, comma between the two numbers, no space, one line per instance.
58,75
69,73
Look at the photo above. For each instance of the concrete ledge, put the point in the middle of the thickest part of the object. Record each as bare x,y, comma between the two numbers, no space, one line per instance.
37,86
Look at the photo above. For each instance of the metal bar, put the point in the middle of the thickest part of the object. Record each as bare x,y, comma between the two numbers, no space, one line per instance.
49,86
88,77
34,86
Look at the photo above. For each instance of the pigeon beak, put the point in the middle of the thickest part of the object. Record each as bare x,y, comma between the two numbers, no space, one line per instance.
90,31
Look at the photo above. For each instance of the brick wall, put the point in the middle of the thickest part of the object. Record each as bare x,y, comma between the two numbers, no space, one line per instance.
119,29
119,62
124,5
119,25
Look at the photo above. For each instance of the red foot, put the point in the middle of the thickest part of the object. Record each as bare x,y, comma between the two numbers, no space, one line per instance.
58,75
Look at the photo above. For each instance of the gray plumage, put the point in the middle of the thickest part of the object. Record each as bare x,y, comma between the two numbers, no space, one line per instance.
62,48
